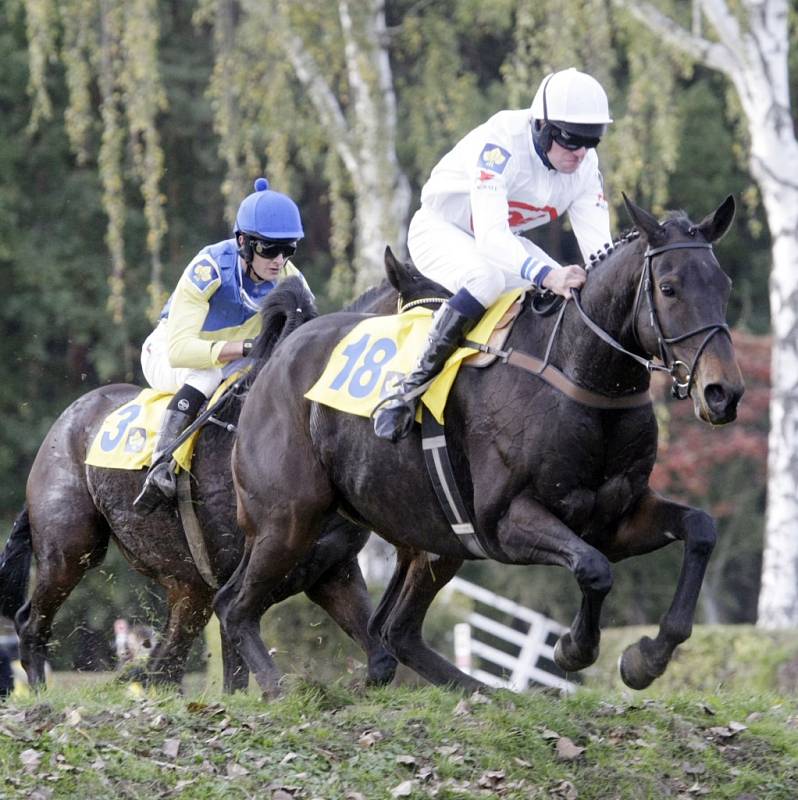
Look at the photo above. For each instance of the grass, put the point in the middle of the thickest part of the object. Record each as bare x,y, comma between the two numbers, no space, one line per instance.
103,740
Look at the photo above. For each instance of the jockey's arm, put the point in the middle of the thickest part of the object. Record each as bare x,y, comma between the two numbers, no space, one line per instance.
187,313
590,216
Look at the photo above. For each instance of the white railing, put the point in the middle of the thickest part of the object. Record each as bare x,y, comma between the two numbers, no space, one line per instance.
522,668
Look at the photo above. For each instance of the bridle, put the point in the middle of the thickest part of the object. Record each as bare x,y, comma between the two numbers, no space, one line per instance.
680,388
682,375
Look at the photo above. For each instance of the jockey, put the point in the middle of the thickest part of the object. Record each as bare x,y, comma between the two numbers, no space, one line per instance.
212,318
520,169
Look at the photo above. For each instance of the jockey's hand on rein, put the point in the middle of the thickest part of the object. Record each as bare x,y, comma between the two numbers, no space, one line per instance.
562,280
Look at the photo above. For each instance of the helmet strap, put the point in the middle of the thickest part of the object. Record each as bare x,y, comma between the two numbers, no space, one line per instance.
542,138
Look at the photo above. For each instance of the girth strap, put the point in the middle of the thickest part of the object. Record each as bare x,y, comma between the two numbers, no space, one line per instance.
193,531
439,467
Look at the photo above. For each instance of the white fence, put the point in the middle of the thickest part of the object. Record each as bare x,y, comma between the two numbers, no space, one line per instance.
522,668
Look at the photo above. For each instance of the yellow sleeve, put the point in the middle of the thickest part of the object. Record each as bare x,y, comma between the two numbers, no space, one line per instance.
187,312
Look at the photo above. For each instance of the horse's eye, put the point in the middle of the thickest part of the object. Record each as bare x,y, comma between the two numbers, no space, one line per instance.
667,289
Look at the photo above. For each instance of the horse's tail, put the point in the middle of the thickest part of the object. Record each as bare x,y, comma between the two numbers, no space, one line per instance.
283,310
15,566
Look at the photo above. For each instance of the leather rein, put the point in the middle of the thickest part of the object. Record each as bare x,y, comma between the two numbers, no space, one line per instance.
682,375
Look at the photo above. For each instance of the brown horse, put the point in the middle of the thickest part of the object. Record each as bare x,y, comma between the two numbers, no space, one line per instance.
73,511
548,476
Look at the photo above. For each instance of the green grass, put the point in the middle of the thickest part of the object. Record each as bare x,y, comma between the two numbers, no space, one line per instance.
336,742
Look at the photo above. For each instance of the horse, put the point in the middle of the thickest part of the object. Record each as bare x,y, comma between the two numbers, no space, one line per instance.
73,510
552,470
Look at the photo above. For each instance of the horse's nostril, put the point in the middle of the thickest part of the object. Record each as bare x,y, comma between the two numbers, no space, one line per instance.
719,400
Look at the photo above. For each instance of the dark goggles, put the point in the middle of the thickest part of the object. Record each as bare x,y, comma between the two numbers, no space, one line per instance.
570,141
271,250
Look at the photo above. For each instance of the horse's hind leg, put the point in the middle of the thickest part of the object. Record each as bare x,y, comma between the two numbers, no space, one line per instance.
72,542
401,626
189,612
342,593
653,523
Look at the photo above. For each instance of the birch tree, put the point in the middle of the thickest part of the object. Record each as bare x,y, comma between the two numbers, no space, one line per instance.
748,41
338,54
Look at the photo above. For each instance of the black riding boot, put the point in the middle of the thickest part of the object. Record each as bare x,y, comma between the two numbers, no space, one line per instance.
161,483
394,419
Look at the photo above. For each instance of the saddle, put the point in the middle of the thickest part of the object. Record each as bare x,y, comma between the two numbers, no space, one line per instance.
485,357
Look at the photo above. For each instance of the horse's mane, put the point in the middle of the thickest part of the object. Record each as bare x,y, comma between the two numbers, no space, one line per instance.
602,255
285,308
365,301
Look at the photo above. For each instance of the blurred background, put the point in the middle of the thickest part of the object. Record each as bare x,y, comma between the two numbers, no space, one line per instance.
131,129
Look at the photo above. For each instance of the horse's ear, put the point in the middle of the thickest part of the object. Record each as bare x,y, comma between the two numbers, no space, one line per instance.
392,267
715,225
646,223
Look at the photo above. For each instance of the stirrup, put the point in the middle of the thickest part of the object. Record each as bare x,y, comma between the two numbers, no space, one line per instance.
159,485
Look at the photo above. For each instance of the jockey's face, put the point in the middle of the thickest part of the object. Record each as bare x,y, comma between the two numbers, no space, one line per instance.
267,269
563,160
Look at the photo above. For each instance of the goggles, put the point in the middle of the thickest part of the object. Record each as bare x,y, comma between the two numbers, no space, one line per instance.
271,250
570,141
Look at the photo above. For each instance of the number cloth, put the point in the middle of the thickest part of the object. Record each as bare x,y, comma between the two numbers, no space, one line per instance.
367,362
127,436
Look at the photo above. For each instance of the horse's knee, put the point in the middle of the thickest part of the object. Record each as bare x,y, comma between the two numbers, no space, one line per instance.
700,534
593,572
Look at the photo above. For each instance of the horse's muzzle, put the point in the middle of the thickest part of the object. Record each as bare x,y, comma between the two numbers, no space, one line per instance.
717,402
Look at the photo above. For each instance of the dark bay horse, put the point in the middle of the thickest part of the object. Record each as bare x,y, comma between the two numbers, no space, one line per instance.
547,479
73,511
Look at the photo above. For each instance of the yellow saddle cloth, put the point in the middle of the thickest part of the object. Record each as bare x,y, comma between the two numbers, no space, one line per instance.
366,362
127,436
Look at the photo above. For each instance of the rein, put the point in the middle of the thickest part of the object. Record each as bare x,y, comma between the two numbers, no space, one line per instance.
682,376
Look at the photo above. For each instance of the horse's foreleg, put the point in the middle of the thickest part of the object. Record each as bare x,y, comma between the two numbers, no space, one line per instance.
401,626
653,523
235,672
529,534
189,611
342,593
253,588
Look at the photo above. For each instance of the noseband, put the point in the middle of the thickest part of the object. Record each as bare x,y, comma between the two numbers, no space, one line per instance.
682,376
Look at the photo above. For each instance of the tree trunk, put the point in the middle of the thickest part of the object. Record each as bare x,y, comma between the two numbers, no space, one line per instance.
752,51
365,136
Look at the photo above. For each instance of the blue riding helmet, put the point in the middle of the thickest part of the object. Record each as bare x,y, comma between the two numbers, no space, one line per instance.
267,214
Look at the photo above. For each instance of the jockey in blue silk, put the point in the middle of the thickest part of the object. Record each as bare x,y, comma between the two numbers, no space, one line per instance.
212,318
520,169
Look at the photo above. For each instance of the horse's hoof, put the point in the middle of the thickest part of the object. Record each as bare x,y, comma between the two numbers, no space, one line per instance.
566,657
635,668
381,670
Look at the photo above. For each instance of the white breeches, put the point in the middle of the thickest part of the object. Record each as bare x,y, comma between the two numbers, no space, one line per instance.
163,377
448,255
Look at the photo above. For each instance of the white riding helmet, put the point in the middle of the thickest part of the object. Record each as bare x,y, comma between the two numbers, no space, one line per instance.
573,101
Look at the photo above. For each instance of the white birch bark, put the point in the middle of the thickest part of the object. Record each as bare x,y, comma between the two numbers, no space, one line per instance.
365,137
751,50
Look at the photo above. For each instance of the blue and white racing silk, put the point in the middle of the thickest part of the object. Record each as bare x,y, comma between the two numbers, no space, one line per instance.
214,302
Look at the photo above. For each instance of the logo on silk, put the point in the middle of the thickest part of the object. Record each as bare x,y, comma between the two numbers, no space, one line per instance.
529,216
136,439
494,158
203,273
